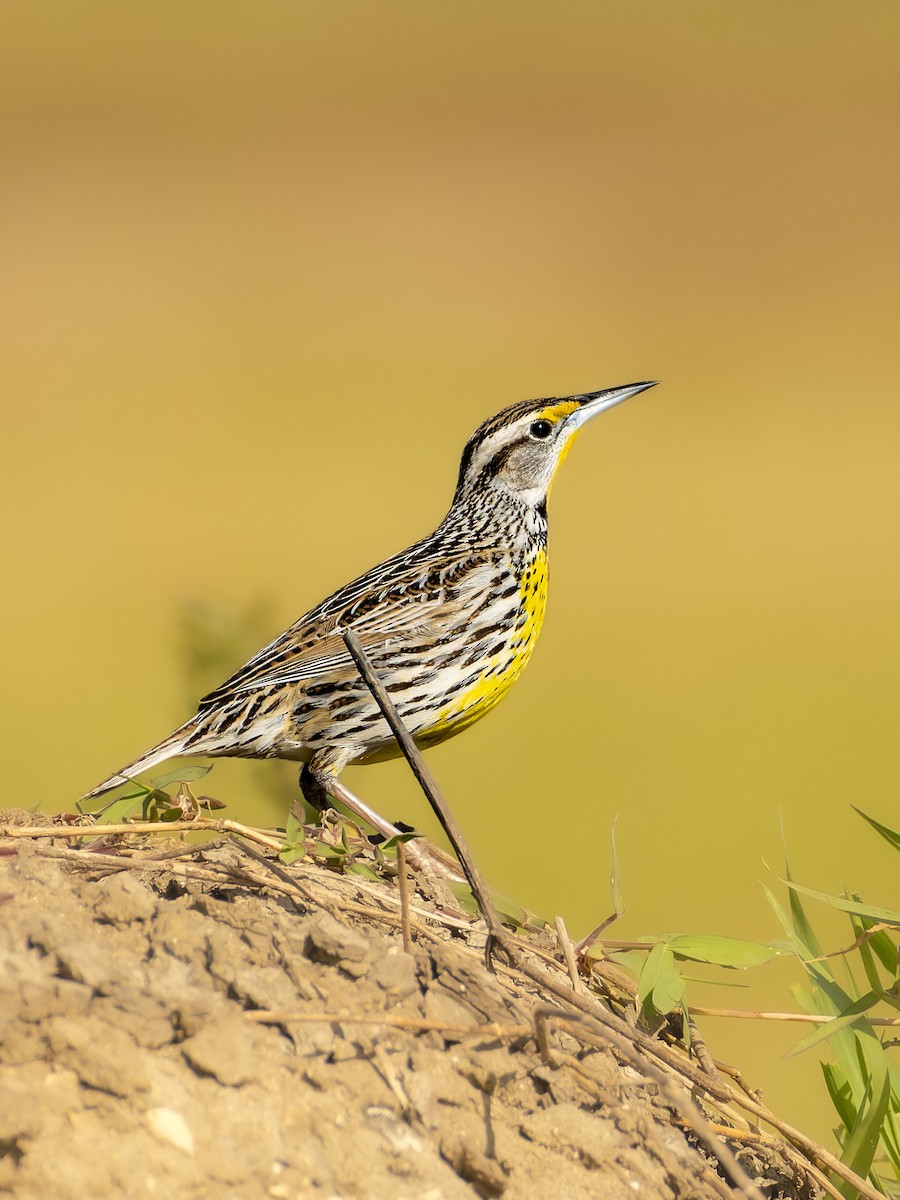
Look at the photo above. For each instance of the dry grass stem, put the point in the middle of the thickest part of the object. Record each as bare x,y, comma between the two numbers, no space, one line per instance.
802,1018
403,884
170,827
496,934
673,1092
489,1029
565,945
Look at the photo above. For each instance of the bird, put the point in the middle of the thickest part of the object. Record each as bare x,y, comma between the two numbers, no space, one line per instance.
448,624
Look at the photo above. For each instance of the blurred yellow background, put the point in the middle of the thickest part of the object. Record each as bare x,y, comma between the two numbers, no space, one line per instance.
265,269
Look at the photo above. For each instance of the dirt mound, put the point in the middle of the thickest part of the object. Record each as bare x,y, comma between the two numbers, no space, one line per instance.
194,1026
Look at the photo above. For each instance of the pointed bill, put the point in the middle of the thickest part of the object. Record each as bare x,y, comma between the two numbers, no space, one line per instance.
594,403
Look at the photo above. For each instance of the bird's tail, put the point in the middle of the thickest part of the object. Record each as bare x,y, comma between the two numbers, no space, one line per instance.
169,747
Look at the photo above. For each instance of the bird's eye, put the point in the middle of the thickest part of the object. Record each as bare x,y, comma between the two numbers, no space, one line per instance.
541,429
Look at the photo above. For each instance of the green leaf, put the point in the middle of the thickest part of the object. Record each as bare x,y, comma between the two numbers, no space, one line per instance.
668,991
154,804
722,951
869,912
116,811
660,986
631,960
777,907
889,835
96,813
182,775
840,1092
392,842
859,1150
329,852
886,950
615,887
358,868
890,1139
802,929
509,912
171,814
823,1032
294,847
654,964
825,997
873,1054
311,814
464,897
292,853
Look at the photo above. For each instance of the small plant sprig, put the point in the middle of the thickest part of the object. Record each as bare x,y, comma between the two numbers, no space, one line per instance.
851,1004
863,1082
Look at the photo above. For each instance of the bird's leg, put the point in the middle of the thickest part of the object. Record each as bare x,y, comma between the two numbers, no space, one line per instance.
313,790
320,785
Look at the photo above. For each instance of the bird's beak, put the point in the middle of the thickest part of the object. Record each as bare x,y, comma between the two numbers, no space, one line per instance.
593,403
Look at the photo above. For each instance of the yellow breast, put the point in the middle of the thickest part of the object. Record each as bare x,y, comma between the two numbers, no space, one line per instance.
503,667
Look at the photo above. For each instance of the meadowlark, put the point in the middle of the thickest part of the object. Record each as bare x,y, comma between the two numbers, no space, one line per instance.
448,624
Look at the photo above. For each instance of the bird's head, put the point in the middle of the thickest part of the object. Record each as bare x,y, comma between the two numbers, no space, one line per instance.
520,450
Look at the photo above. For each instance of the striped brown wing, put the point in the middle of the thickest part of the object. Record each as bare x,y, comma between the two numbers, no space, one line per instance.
392,618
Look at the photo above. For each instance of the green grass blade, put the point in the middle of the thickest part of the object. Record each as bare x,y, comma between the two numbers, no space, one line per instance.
825,998
872,949
859,1150
841,1093
780,912
890,1139
889,835
615,886
841,1021
885,949
801,928
869,912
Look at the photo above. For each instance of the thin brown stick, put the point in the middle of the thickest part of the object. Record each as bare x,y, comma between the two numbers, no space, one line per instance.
803,1018
83,831
403,884
756,1137
565,945
391,1021
291,885
801,1150
589,939
280,873
715,1087
391,1077
429,787
863,937
675,1095
705,1129
126,860
207,872
698,1046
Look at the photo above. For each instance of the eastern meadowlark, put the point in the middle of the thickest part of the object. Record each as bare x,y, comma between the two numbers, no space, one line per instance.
448,624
